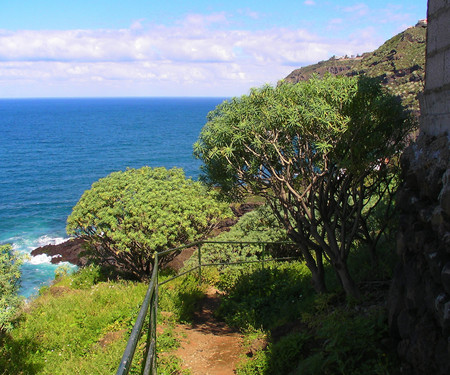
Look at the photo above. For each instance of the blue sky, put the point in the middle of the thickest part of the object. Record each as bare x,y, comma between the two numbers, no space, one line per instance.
90,48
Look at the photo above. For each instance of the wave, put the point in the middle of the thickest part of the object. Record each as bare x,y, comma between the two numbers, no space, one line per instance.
47,240
39,259
28,244
37,270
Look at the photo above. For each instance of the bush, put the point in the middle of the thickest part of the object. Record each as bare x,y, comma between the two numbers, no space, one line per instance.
351,344
267,297
279,358
180,297
127,216
86,277
10,262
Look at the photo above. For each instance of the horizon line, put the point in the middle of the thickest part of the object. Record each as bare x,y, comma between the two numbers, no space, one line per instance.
115,97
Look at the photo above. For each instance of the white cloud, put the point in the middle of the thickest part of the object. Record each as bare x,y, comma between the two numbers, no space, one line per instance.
309,2
360,9
193,57
250,13
203,20
395,14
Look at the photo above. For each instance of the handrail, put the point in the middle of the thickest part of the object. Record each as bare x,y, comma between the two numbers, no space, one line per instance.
128,354
151,300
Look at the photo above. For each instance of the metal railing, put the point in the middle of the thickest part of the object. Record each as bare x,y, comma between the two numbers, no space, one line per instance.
151,301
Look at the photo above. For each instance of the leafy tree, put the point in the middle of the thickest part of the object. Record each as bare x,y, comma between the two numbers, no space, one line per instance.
318,152
10,262
127,216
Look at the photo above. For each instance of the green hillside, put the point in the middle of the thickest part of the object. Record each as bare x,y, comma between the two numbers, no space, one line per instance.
399,63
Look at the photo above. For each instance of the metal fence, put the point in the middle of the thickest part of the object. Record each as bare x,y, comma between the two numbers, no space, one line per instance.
150,303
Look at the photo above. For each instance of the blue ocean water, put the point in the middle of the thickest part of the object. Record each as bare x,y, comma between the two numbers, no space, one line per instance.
52,150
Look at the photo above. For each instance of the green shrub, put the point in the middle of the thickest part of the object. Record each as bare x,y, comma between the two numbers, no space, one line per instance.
351,344
259,225
267,297
87,277
279,358
10,262
64,270
180,297
127,216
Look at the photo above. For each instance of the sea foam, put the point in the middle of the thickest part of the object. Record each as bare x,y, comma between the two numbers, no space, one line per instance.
40,259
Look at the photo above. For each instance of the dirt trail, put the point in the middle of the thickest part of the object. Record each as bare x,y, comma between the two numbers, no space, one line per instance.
209,347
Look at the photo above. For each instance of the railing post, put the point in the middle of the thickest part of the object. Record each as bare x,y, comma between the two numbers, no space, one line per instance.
150,357
199,263
155,313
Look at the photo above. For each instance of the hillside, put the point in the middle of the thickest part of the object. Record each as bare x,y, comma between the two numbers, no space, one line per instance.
399,63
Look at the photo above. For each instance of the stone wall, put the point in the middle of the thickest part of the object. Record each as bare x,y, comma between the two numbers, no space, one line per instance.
436,99
419,300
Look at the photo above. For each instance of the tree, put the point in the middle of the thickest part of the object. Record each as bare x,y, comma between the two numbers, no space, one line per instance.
318,152
127,216
10,262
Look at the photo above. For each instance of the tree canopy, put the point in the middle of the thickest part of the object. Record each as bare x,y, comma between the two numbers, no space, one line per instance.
318,152
127,216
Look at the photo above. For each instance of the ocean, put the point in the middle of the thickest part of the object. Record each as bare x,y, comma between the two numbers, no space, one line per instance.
52,150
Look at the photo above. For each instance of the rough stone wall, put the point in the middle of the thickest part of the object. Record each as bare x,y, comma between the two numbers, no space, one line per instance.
419,300
435,102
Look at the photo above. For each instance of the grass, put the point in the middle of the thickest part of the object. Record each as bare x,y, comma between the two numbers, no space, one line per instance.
62,331
80,325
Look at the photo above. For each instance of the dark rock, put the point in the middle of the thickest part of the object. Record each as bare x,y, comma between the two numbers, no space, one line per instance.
445,277
395,301
419,297
68,251
444,197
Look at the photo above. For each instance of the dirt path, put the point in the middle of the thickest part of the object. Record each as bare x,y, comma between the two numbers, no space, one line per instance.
209,347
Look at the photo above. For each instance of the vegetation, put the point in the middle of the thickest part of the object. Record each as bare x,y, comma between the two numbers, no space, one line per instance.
127,216
307,333
259,225
319,153
10,262
80,325
399,64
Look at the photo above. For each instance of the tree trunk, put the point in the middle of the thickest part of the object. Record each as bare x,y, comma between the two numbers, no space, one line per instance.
318,279
317,272
350,288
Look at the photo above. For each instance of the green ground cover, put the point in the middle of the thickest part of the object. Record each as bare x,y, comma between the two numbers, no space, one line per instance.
80,325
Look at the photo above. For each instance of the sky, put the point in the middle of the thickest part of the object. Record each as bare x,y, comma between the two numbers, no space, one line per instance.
123,48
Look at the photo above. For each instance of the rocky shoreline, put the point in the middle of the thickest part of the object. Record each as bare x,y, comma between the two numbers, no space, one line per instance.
68,251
